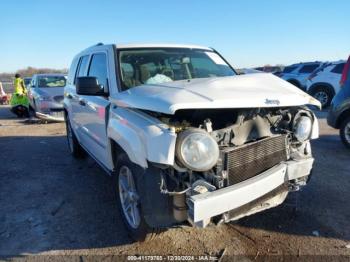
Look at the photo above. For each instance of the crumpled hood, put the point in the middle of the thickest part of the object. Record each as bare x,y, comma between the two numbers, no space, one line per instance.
241,91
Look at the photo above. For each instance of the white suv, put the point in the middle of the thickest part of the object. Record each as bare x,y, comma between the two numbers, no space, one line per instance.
184,137
297,74
323,84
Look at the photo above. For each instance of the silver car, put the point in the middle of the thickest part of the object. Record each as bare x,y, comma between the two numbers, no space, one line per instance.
46,96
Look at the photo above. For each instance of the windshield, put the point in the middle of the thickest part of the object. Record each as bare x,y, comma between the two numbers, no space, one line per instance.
51,81
161,65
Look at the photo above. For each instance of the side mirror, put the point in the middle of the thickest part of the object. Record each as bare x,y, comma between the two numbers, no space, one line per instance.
89,86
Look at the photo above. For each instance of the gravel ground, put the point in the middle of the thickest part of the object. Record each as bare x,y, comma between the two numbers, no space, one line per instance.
53,205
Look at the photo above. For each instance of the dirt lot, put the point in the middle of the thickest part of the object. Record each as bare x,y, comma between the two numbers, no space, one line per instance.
51,204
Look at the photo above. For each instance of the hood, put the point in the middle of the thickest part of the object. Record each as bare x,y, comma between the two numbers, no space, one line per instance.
241,91
50,91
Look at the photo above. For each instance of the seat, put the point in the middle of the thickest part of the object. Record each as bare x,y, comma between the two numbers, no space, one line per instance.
145,74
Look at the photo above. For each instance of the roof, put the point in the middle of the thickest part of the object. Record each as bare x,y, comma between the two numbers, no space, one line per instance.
337,62
306,63
156,45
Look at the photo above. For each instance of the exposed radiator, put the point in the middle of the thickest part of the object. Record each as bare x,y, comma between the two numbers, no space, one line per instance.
249,160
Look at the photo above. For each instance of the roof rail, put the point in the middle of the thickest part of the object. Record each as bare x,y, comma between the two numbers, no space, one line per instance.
98,44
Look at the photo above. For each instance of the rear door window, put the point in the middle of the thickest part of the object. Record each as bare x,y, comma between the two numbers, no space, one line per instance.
338,69
288,69
98,68
308,68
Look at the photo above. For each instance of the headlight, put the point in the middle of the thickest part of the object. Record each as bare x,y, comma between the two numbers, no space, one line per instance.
197,150
302,128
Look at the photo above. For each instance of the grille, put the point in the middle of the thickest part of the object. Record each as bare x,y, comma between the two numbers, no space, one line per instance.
251,159
58,99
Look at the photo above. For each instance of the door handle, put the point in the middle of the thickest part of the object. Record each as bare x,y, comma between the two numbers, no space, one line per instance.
82,102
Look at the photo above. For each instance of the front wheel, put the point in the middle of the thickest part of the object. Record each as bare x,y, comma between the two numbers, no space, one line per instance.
128,180
345,132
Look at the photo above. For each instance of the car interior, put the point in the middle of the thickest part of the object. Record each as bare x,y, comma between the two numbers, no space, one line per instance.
139,66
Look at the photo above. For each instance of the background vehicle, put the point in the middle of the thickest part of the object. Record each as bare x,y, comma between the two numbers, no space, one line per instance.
27,81
249,71
339,113
185,136
297,74
323,83
46,96
270,69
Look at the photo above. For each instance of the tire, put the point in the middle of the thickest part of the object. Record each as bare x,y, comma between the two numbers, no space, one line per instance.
345,132
324,94
73,144
127,181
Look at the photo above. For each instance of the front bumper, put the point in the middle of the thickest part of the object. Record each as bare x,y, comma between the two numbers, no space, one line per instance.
57,116
203,207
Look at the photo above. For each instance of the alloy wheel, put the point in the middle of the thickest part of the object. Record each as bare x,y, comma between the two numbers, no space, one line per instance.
129,197
322,97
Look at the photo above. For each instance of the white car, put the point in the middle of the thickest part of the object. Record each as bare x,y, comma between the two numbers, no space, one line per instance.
45,94
297,74
184,137
323,84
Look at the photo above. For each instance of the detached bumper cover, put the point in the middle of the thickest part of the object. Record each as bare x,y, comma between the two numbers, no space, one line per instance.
210,204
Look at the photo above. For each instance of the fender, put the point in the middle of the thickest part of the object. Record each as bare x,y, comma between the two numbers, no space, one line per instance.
142,137
345,112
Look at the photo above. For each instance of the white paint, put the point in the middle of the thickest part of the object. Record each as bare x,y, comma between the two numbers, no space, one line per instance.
241,91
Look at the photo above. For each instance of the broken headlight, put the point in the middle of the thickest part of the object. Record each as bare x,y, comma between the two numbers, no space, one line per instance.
302,128
197,150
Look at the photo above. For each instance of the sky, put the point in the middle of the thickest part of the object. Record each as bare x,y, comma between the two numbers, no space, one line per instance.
247,33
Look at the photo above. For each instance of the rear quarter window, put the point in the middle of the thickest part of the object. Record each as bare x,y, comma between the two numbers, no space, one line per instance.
338,69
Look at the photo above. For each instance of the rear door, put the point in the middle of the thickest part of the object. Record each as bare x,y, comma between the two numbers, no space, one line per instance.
81,70
92,111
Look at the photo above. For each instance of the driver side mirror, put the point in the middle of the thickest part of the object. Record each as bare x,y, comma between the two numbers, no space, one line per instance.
89,86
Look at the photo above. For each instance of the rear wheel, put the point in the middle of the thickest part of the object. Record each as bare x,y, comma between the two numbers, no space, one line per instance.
128,180
74,147
323,94
345,132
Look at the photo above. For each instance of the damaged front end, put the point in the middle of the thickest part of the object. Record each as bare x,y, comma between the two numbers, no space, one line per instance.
231,163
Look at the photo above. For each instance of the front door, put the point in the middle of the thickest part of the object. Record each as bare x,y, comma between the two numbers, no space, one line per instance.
92,112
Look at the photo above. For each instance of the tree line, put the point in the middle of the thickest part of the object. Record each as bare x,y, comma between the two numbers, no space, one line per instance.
29,71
